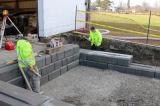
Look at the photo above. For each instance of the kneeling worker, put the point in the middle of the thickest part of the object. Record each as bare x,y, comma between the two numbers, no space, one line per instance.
95,38
26,62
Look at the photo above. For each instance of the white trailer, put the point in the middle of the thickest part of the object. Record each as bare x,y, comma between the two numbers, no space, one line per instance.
58,16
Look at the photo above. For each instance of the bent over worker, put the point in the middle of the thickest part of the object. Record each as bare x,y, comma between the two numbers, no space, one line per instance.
95,37
26,61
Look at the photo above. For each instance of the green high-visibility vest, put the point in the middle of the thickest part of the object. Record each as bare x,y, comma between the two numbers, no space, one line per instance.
25,54
95,37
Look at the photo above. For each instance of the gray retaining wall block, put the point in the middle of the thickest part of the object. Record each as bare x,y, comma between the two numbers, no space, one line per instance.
64,62
44,80
144,70
54,57
76,49
73,65
64,69
41,61
135,69
19,81
111,58
51,67
16,96
70,59
60,55
76,56
157,73
118,68
68,50
48,59
45,70
54,74
9,72
58,64
83,54
96,64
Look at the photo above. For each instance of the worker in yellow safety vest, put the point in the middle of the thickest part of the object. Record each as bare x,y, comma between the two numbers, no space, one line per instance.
26,61
95,37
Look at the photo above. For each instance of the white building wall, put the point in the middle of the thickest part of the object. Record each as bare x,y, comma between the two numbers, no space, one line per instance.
58,16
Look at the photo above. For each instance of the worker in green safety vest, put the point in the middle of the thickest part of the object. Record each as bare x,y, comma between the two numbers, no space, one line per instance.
95,37
26,61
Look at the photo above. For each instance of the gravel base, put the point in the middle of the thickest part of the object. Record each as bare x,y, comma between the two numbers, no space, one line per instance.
84,86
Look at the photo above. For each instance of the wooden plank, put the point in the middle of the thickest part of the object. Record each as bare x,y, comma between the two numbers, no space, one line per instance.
52,50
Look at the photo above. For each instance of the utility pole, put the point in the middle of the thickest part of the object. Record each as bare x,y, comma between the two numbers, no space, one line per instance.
128,4
88,8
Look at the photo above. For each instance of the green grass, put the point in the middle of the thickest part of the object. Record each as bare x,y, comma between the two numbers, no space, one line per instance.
133,22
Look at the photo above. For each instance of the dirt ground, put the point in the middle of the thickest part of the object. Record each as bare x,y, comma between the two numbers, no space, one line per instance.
84,86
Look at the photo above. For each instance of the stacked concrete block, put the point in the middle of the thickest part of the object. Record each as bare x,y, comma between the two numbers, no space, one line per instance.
16,96
41,61
9,72
119,62
103,59
50,66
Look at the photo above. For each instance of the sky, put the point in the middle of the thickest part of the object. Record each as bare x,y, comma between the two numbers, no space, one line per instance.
137,2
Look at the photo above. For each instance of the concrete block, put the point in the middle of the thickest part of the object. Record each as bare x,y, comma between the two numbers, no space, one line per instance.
73,65
44,79
64,62
124,62
111,58
121,69
45,70
145,70
133,71
54,74
48,59
16,96
51,67
82,62
83,54
54,57
64,69
19,81
68,51
76,56
70,59
96,64
58,64
60,55
41,61
76,49
9,73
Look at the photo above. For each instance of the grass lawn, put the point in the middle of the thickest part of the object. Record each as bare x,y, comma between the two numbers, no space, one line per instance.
132,22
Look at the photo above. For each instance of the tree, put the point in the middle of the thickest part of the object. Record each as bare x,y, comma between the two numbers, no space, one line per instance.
104,4
146,6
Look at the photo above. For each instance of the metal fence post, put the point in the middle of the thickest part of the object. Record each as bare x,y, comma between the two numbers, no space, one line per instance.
149,24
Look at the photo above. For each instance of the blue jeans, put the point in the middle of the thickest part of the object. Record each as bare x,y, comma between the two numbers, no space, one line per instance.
33,79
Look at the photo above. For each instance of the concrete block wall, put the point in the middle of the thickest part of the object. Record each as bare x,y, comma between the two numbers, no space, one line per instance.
118,62
15,96
50,66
